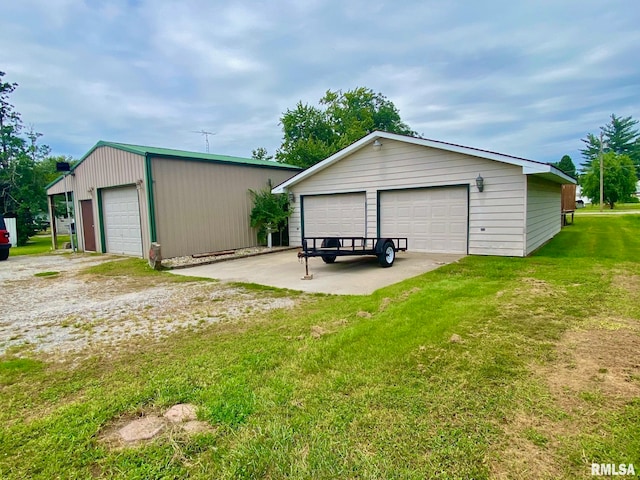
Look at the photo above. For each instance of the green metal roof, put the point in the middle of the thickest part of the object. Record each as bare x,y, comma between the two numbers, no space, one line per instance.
171,153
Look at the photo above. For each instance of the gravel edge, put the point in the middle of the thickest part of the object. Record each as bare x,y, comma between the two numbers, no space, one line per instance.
224,258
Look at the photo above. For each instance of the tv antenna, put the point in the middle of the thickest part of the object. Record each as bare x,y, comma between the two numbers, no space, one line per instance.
206,136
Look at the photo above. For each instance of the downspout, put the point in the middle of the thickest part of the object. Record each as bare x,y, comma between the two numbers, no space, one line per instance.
151,207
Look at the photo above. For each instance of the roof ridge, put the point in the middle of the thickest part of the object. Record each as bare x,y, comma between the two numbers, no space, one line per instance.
150,147
184,154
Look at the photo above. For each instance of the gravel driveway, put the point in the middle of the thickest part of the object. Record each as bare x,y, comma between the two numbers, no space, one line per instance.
72,311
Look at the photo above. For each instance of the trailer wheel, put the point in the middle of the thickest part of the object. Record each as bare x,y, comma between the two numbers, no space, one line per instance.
328,243
388,254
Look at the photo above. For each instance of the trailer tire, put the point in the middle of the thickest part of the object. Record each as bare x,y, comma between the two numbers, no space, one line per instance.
388,254
328,243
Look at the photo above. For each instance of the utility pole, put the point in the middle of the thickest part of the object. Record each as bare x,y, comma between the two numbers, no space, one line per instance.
601,175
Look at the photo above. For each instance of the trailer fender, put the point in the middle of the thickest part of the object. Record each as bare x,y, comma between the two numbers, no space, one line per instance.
330,242
327,243
379,247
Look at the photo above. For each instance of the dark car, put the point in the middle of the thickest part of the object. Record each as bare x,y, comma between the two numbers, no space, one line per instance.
5,244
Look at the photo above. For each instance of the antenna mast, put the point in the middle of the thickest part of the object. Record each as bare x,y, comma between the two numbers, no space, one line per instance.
206,136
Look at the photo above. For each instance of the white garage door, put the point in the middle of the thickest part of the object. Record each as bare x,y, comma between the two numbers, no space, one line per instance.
339,215
121,215
433,219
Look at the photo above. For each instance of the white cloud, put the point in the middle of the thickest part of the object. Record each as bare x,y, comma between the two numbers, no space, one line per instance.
526,78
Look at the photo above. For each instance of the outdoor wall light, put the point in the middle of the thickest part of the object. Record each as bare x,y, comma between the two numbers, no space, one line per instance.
377,145
291,197
480,183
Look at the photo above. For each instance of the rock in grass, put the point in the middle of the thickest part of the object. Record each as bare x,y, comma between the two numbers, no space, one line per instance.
182,412
144,428
455,338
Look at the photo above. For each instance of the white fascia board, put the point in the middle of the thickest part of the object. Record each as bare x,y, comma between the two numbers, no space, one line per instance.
282,188
559,174
529,167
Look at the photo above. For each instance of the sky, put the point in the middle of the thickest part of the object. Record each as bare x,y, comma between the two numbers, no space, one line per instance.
525,78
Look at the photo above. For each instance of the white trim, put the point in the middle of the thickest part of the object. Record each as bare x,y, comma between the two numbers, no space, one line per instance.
529,167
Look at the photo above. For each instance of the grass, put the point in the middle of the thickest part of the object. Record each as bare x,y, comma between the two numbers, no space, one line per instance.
377,391
38,244
593,207
136,268
46,274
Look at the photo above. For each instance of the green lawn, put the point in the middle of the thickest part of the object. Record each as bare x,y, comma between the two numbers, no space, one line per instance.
543,381
617,207
38,244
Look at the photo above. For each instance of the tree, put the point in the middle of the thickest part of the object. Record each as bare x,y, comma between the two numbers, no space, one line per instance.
22,180
619,137
269,212
261,153
619,179
567,166
11,145
47,167
312,134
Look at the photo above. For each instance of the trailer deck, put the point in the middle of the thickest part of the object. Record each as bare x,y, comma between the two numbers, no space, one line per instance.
329,248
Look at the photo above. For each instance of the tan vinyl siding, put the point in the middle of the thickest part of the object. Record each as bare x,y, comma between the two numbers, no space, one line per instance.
499,210
543,212
124,168
204,207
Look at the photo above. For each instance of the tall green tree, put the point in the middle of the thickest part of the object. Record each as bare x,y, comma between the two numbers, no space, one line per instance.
619,179
567,166
311,134
261,153
22,180
619,136
11,144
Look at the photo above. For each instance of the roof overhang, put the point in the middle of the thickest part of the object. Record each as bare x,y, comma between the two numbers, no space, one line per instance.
529,167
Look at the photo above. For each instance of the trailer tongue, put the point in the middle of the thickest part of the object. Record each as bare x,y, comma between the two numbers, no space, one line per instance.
330,248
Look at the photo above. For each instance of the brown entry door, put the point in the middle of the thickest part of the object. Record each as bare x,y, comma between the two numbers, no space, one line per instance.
88,230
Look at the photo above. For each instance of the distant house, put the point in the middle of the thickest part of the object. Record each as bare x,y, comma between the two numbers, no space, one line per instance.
128,196
445,198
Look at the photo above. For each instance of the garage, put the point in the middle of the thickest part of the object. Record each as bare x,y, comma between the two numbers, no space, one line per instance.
334,215
130,196
121,217
443,197
433,219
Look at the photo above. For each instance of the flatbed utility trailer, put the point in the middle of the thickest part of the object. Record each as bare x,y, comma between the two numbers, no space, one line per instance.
329,248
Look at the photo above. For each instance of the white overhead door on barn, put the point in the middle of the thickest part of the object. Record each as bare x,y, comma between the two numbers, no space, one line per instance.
433,219
338,215
121,216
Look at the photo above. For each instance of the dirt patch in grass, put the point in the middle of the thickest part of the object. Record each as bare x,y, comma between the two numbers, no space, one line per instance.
595,369
537,288
629,283
603,360
110,437
408,293
526,455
